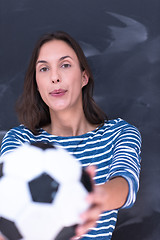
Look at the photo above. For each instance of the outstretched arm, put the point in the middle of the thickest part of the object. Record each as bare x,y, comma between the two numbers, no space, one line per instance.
122,180
105,197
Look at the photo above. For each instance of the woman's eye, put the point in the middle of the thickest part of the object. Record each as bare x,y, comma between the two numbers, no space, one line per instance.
44,69
66,65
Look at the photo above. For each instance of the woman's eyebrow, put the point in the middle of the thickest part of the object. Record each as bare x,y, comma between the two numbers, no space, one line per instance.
41,61
62,58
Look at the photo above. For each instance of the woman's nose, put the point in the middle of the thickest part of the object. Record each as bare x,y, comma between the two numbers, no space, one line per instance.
55,77
54,81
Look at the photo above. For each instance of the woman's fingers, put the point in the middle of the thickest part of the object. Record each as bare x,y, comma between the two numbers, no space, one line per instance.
92,213
89,218
91,170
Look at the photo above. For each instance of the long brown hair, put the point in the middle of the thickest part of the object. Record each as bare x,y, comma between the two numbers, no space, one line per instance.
32,110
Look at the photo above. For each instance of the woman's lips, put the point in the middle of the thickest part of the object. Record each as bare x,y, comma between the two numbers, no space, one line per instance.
58,92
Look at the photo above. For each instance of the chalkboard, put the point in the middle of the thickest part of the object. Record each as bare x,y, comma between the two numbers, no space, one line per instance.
121,40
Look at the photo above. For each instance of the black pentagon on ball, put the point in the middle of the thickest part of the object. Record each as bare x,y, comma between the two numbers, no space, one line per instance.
1,170
86,181
66,233
43,188
9,229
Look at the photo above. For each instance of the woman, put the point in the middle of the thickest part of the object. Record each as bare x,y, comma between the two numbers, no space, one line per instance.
57,107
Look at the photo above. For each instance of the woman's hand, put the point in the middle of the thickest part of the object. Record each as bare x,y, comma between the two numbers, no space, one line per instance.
89,217
1,238
108,196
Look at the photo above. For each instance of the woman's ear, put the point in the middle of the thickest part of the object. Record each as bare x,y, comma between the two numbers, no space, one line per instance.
85,78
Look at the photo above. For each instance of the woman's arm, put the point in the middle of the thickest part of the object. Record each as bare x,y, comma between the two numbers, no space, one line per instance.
105,197
111,195
122,181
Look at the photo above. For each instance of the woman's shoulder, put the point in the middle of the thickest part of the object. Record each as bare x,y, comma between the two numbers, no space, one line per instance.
115,124
12,139
23,134
118,126
19,133
18,130
17,136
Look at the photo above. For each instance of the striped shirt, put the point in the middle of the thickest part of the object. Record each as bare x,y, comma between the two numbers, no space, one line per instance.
115,150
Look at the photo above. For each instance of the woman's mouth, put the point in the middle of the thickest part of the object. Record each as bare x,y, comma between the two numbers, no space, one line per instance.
58,92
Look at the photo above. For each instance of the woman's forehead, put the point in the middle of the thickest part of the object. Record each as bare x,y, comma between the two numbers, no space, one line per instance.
56,47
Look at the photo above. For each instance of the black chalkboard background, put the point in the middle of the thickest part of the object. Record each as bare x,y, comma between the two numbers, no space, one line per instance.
121,39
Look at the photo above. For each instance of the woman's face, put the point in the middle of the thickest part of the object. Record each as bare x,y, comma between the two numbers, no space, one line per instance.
59,77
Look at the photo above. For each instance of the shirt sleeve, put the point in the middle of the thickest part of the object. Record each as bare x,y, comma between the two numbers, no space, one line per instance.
126,161
11,141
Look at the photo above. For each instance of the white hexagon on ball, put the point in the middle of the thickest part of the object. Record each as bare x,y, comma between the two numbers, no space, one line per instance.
42,195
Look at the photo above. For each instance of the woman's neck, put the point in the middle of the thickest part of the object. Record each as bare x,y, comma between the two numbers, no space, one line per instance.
69,124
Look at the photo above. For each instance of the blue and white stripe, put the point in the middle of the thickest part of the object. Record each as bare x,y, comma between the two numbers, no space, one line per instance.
115,150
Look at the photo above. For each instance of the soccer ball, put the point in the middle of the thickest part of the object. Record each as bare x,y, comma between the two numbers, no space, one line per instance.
43,191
